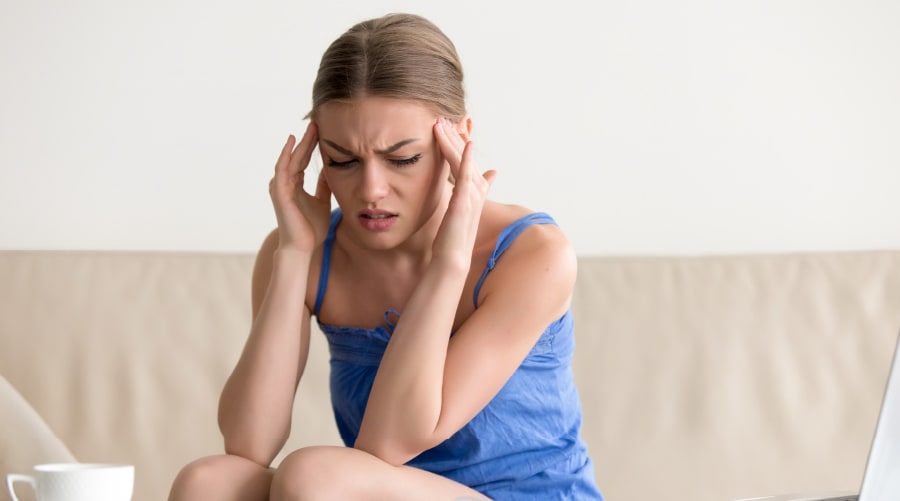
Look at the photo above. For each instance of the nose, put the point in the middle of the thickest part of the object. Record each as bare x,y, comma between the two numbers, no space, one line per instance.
373,186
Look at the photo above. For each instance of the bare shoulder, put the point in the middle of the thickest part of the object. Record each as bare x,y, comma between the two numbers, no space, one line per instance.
548,240
541,256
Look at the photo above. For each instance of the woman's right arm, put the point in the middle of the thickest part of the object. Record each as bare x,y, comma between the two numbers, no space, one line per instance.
256,403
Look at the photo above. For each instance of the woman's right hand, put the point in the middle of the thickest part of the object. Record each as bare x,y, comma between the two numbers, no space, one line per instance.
302,218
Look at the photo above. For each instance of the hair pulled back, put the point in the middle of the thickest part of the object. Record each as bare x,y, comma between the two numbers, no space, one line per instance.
402,56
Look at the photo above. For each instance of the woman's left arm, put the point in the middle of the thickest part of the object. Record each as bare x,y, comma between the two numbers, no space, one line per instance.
429,384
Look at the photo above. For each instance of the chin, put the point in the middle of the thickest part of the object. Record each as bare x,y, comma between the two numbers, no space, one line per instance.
382,241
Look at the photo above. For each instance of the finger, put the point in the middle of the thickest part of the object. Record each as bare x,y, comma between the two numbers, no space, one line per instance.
450,135
456,138
280,178
449,150
468,167
490,176
309,141
323,191
284,158
466,163
302,153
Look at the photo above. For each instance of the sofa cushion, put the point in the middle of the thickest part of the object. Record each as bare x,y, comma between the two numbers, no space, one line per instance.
25,439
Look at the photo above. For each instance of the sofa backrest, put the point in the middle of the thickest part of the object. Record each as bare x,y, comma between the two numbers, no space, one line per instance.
719,378
702,378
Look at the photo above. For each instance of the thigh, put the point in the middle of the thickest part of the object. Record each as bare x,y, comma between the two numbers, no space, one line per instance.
224,478
347,473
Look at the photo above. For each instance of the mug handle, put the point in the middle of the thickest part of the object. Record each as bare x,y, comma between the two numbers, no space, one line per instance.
12,478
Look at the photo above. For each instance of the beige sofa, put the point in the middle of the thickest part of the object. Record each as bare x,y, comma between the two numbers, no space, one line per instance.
702,378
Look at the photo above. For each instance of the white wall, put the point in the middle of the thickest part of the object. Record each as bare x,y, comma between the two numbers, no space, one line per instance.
644,126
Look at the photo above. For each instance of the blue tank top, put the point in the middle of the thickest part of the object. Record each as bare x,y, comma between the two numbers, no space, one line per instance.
524,445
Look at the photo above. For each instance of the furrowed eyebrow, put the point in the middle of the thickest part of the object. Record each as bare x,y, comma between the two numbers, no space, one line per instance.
385,151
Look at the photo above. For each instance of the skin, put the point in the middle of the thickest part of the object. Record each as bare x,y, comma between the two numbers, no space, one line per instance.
409,240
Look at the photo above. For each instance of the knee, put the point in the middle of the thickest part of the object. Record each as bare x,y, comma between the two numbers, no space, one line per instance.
310,473
196,480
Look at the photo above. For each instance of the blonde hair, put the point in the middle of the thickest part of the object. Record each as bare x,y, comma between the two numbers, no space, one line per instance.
398,55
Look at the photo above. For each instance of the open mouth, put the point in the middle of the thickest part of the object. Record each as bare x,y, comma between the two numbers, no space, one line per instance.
376,220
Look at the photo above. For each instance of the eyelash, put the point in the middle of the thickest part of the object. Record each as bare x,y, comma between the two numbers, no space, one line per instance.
401,162
339,165
404,162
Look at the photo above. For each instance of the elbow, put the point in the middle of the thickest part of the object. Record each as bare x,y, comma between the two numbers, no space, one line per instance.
261,448
396,451
390,455
249,450
385,451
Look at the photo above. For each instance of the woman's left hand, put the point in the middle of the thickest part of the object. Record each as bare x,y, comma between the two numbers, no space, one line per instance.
456,237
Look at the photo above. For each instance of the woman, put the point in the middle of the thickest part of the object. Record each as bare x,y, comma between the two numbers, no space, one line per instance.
450,363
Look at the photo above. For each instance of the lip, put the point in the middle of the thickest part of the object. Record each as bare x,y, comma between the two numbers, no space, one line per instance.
376,220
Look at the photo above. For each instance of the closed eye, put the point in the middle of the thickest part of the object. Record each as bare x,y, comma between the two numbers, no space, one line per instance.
398,162
339,165
404,162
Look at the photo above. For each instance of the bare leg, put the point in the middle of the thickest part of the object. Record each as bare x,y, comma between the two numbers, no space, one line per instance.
223,478
328,473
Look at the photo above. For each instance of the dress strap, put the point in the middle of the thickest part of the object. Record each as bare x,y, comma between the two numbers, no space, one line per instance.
326,259
506,238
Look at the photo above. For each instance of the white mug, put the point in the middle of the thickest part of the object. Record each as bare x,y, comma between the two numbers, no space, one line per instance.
77,482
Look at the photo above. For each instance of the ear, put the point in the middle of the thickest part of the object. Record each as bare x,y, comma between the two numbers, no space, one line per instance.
465,127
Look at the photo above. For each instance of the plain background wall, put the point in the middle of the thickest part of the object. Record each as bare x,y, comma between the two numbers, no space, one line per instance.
644,127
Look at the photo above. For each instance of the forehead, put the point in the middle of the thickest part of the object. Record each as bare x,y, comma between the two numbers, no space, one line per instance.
372,113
